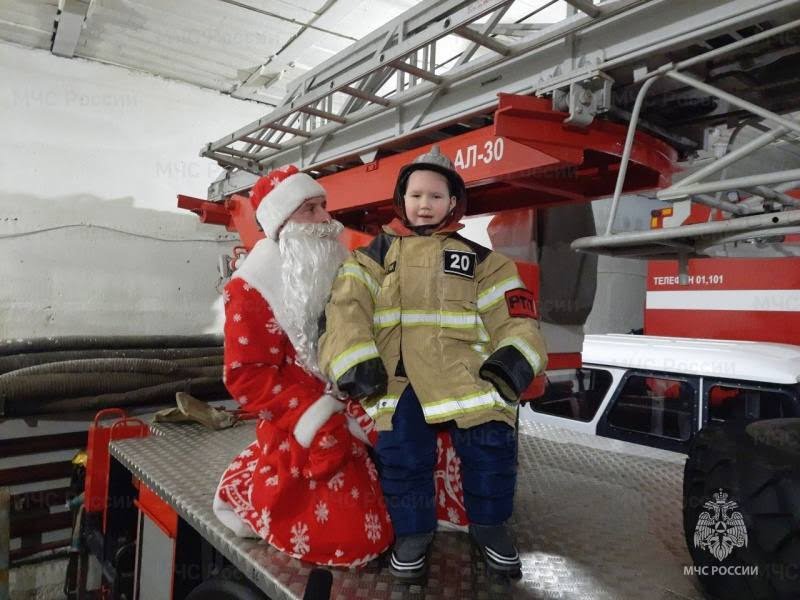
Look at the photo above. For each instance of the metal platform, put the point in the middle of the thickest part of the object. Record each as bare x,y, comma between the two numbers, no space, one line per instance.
594,518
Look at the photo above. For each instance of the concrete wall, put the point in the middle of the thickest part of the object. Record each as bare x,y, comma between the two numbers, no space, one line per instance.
91,160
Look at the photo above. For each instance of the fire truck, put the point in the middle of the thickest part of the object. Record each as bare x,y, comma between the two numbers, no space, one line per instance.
540,119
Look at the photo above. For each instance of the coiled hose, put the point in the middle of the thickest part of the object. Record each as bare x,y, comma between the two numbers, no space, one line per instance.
54,376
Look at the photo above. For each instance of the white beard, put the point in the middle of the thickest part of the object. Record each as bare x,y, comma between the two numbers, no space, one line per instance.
310,258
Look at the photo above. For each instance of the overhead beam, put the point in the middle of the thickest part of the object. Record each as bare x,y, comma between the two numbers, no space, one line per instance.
68,26
585,6
682,191
752,225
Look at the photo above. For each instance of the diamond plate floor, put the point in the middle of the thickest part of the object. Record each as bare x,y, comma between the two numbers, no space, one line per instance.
594,519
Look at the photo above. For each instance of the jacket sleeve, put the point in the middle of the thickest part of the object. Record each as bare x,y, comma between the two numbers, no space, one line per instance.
347,350
509,315
258,371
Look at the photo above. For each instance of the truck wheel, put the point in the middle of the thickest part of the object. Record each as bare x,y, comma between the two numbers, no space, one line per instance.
741,509
781,434
224,589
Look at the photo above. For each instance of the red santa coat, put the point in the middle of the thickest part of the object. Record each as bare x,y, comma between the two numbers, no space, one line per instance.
320,504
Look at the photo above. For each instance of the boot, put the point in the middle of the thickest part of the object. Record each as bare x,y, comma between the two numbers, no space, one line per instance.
497,548
409,560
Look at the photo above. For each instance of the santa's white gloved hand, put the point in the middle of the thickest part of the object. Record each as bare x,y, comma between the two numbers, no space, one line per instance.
314,417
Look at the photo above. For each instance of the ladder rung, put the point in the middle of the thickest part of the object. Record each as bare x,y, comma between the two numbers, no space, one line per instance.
484,40
323,114
256,142
416,72
291,130
351,91
234,152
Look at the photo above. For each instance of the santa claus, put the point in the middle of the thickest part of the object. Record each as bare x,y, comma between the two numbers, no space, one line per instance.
306,485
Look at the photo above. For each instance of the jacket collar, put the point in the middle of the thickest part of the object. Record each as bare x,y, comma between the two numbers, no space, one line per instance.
399,229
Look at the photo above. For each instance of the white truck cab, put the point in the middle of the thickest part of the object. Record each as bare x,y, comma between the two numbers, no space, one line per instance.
659,391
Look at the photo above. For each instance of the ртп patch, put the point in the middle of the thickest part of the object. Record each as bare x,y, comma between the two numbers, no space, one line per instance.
459,262
521,303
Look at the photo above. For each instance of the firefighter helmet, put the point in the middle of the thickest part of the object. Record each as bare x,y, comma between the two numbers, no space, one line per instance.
433,160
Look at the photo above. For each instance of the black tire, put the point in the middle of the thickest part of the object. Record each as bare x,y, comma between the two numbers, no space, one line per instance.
781,434
762,477
225,589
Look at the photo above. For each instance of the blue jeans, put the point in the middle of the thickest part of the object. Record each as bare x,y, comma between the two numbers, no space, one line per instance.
407,457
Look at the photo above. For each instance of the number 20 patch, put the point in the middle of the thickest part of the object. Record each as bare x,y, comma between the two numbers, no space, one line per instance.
460,263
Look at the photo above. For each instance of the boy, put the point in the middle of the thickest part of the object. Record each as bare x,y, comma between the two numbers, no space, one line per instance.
454,328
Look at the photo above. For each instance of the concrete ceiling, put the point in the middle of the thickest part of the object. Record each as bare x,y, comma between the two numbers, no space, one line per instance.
247,48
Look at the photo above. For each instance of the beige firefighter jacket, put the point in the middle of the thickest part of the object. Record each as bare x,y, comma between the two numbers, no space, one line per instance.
432,311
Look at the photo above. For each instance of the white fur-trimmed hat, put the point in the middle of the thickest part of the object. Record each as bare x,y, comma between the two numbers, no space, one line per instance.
278,194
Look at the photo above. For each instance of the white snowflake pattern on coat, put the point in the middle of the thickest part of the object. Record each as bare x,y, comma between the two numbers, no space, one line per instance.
300,539
321,511
263,530
372,470
357,450
328,441
372,527
364,560
453,469
336,482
